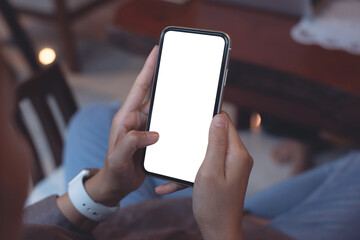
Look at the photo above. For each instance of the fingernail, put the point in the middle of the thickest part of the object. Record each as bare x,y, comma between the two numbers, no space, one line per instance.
153,136
219,121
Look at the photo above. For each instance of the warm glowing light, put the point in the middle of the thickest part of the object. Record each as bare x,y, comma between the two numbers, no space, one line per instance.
47,56
257,120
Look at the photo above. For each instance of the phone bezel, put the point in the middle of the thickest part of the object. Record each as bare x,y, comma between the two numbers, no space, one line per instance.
218,101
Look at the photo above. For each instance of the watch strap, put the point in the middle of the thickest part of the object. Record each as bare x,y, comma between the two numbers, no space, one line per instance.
83,202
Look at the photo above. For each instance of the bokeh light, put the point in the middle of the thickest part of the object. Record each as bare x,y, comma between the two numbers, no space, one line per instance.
47,56
257,120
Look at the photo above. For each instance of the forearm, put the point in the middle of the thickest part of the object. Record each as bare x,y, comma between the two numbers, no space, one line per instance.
73,215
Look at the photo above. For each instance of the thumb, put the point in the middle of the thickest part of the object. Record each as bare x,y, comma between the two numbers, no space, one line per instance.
217,146
135,140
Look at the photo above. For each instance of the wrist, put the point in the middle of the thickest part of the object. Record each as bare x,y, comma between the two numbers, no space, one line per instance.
78,206
100,191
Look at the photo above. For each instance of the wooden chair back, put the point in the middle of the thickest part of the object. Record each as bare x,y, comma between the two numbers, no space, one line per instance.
45,84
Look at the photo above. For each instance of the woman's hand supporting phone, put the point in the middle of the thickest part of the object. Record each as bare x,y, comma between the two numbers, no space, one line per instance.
121,172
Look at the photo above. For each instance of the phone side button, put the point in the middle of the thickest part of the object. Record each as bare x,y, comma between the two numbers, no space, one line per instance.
225,77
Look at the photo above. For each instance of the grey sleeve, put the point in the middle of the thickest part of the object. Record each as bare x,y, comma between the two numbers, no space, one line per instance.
46,212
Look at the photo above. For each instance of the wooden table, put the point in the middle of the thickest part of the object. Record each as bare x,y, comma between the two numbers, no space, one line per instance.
269,72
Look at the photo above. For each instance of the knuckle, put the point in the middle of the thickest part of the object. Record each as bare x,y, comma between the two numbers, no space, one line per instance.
205,175
241,154
244,156
144,87
132,137
118,117
136,139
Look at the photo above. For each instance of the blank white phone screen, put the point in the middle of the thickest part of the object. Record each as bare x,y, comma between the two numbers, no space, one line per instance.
184,103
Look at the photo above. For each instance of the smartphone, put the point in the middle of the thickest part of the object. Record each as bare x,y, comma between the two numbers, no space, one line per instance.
187,91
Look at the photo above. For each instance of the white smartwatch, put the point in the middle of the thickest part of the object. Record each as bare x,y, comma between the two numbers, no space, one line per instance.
83,202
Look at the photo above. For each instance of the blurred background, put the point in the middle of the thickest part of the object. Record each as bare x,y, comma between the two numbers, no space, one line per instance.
292,90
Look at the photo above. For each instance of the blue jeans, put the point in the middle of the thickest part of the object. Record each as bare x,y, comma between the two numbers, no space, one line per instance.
323,203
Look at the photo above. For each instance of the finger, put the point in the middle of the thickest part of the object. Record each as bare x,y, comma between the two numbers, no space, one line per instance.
169,188
238,158
133,141
118,130
144,111
217,146
142,83
233,134
143,114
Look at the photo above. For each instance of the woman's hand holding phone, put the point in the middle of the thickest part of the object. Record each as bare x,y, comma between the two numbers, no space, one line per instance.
122,172
221,182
